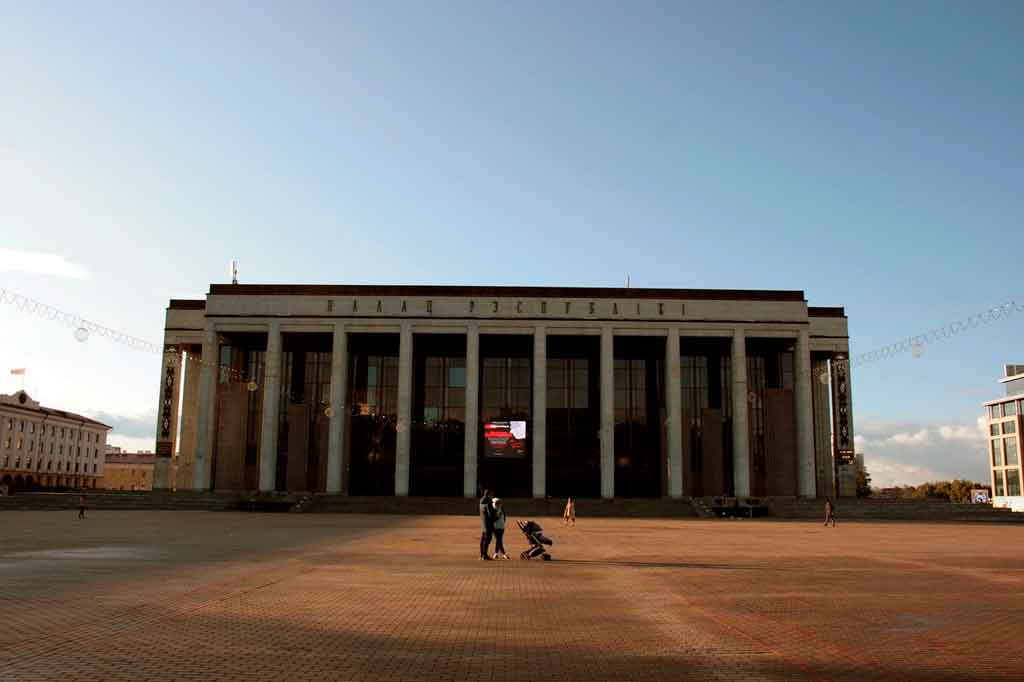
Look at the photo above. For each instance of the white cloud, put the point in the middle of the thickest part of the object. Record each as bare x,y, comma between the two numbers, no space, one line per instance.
909,453
40,263
129,444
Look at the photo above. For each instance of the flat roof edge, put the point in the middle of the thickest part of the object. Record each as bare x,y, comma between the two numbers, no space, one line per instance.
500,291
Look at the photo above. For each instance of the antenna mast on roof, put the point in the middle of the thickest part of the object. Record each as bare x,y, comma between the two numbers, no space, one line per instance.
233,270
627,280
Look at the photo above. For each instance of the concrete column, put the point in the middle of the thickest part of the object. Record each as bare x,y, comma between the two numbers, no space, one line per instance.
339,410
188,439
469,476
607,413
673,409
740,436
540,411
167,417
271,407
806,484
207,410
404,411
822,427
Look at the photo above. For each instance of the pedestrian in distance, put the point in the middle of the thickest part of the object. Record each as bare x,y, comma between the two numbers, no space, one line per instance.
499,529
569,515
486,524
81,506
830,514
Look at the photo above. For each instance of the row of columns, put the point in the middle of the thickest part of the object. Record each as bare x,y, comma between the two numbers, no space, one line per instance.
339,366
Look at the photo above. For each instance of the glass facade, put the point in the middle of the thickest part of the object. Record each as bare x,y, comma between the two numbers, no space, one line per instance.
706,403
305,394
1004,450
506,393
640,455
573,417
769,369
439,415
373,416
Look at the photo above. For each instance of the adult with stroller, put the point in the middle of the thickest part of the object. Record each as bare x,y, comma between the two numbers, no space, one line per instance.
499,529
486,524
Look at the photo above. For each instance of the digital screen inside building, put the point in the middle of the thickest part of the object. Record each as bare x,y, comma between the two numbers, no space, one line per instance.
505,439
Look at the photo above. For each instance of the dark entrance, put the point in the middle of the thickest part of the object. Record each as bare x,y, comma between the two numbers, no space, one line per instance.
772,417
373,399
640,455
506,394
705,380
573,419
437,452
303,427
239,412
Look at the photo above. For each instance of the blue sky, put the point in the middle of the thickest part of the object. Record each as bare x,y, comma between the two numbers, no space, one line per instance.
865,153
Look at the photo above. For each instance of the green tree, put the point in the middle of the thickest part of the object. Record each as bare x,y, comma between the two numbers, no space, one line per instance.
863,483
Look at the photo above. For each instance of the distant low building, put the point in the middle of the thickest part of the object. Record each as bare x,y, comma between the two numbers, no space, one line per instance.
1004,425
45,448
128,470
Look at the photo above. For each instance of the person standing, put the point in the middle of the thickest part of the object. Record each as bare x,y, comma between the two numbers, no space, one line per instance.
829,512
486,524
499,529
81,506
569,515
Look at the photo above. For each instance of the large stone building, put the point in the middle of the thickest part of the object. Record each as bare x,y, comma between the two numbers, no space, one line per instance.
45,448
127,470
424,390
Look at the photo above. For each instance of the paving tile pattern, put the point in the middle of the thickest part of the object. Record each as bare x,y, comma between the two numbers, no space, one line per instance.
253,597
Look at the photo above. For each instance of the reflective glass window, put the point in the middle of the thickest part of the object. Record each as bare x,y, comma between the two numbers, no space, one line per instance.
1010,449
997,477
1013,482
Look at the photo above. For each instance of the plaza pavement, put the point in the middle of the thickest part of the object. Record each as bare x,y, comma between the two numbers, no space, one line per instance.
252,597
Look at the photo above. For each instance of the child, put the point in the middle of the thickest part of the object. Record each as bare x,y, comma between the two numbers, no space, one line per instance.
830,513
499,529
570,513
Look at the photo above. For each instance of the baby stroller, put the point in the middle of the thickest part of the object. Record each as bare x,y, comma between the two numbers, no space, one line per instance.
535,536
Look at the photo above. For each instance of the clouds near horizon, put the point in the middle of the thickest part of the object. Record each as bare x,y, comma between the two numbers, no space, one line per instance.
910,453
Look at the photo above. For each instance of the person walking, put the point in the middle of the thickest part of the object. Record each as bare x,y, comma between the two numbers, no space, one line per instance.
81,506
499,529
569,515
486,524
830,514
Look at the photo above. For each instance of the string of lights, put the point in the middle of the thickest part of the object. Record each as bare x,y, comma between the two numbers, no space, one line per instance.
83,329
914,345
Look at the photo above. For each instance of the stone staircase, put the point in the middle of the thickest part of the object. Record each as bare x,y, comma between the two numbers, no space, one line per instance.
891,510
702,507
111,499
519,507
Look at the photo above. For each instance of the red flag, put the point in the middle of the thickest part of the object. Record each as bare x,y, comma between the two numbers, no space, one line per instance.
20,370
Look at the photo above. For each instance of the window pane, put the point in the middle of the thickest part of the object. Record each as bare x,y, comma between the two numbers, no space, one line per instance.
996,459
998,476
1009,427
994,429
1012,482
1010,446
1009,408
994,412
456,377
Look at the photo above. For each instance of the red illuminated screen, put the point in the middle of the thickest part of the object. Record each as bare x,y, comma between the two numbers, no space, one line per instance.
505,439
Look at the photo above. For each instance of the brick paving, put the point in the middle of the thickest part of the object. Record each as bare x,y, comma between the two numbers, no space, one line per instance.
228,596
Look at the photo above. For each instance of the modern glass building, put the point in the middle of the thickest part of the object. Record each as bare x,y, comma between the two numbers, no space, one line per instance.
531,391
1004,427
